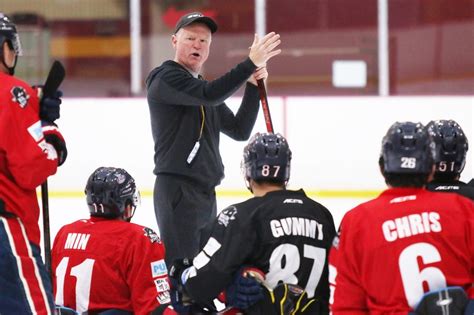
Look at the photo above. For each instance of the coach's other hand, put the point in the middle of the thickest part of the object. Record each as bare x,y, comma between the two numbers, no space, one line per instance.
260,73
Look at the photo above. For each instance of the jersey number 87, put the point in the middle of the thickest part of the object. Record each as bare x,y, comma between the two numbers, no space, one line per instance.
285,261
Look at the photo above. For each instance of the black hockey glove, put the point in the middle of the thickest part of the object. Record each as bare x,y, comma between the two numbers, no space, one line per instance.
244,291
53,136
285,299
179,299
450,300
49,107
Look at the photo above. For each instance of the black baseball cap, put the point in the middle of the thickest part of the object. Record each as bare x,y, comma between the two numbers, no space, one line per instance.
192,17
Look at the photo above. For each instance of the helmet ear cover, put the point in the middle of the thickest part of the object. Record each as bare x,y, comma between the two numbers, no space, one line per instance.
267,158
109,191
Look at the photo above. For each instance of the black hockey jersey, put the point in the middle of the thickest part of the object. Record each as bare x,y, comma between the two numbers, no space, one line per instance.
284,233
458,187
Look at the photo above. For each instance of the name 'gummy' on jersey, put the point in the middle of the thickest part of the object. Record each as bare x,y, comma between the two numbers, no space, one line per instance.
296,227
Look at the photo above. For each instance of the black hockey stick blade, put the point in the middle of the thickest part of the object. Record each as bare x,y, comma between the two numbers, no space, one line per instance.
55,78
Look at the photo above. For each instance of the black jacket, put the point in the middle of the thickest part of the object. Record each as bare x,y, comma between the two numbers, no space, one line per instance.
175,98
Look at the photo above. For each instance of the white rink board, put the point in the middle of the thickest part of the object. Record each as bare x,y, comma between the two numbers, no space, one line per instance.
335,140
67,210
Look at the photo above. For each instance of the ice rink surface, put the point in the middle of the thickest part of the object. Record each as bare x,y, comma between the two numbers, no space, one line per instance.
66,210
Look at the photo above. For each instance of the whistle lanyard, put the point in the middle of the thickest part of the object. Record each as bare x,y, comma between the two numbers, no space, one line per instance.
203,115
195,149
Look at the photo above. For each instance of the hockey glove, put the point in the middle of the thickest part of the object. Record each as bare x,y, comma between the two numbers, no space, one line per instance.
285,299
55,138
49,107
245,290
450,300
179,299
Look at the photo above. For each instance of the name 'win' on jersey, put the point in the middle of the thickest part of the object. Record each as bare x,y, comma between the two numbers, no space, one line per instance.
284,233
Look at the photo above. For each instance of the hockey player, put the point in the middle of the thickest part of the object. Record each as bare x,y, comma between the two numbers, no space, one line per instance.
105,262
281,232
406,242
450,158
31,148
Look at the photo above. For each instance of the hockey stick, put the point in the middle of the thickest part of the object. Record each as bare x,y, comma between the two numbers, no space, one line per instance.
55,77
266,110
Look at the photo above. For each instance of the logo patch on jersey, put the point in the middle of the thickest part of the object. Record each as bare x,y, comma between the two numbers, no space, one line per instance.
20,96
162,285
403,199
447,188
164,298
154,238
158,268
227,215
293,201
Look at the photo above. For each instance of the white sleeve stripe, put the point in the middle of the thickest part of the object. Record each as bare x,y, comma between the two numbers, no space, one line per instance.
201,260
212,246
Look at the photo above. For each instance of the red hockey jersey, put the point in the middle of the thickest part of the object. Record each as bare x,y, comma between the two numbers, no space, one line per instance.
26,160
101,264
393,249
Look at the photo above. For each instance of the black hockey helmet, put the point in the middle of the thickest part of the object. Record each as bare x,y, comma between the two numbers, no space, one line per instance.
9,34
109,191
267,157
451,146
407,148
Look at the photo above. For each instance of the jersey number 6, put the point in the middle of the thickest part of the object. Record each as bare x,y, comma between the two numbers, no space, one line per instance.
413,277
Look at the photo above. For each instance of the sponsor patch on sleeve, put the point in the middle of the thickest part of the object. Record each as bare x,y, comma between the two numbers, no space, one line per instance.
35,131
164,297
162,285
158,268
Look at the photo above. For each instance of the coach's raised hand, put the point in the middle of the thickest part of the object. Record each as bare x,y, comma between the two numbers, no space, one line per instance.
265,48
